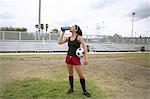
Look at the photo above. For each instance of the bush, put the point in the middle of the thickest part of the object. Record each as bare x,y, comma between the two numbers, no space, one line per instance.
143,49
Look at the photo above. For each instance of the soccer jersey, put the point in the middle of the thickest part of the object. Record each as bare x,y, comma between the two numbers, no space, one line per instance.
73,46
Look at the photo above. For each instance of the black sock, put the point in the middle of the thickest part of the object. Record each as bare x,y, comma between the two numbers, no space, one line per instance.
82,82
71,81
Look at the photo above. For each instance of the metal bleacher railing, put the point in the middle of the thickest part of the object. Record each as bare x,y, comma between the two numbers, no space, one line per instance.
29,42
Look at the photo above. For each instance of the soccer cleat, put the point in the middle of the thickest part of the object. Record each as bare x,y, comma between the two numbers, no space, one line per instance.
70,91
86,94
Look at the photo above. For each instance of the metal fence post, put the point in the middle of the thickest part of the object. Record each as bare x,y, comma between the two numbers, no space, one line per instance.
3,35
49,36
35,35
19,35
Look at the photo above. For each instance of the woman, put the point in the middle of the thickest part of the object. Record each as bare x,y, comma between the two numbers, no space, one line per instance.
74,42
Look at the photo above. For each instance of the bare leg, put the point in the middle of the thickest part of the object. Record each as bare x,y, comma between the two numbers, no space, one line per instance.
79,70
70,71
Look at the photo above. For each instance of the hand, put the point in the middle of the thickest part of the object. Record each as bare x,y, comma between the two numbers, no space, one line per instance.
63,31
85,61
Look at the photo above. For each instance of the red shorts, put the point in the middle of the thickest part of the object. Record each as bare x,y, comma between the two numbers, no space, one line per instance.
74,60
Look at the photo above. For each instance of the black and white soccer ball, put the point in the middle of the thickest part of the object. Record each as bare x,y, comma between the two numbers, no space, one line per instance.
80,52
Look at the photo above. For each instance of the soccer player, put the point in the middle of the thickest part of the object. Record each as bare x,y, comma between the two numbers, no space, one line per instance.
74,42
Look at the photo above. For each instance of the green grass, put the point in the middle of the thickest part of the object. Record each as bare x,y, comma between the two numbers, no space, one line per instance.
42,77
36,88
55,86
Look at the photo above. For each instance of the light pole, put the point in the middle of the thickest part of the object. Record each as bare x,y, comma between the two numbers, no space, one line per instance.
132,24
102,27
98,27
42,27
39,19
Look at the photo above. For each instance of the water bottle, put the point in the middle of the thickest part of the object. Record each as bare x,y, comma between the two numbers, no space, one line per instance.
65,28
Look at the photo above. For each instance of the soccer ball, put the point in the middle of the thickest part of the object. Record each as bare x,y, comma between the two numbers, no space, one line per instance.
80,52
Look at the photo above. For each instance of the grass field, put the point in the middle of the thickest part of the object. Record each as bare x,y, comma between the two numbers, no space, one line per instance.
44,76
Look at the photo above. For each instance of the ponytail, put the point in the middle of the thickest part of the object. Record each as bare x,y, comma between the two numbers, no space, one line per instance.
79,31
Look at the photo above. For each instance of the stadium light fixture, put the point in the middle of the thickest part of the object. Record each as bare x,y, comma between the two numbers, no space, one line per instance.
132,29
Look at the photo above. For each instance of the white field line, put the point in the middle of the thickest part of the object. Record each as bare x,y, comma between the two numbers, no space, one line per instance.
66,53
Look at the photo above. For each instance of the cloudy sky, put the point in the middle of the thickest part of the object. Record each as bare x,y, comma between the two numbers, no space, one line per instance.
104,17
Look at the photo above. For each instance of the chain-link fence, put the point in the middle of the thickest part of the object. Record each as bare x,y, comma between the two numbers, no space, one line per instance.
117,40
8,35
24,41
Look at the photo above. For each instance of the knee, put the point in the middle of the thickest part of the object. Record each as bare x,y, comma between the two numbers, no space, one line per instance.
70,73
81,76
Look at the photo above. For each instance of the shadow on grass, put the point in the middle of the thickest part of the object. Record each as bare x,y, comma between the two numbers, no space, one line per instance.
47,89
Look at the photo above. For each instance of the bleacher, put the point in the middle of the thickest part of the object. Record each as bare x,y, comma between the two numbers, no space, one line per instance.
26,42
31,46
117,47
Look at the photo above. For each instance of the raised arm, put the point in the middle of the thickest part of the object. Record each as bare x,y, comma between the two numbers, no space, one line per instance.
63,39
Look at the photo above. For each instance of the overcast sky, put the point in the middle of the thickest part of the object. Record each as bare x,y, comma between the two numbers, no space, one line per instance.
111,16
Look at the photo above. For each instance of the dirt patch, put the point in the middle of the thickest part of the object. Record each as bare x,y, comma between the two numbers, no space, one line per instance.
121,76
127,80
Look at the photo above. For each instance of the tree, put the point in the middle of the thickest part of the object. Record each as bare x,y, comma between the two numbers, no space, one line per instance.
116,35
21,29
55,30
